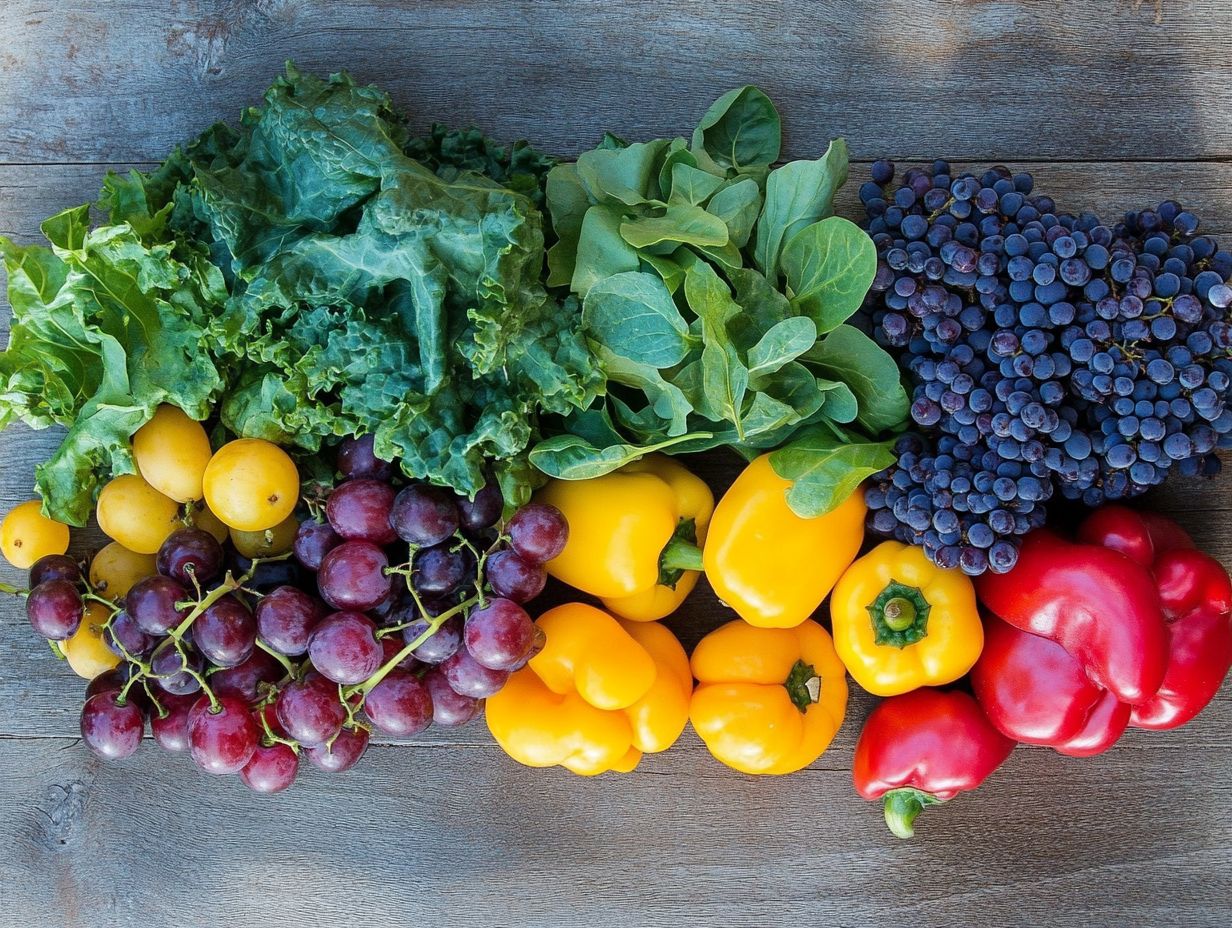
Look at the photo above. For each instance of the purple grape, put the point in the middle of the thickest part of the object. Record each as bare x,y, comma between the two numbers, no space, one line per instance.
152,604
440,570
484,510
123,634
498,634
245,679
352,576
443,643
55,567
449,707
356,458
55,609
470,678
314,540
190,553
400,704
285,617
514,577
110,730
359,509
226,632
171,668
343,647
310,710
340,755
272,768
425,515
538,532
222,738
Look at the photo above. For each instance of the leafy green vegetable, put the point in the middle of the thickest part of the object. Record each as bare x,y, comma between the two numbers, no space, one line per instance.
715,291
826,468
311,277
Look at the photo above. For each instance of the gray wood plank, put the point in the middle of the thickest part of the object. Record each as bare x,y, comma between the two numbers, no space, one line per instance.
465,837
125,80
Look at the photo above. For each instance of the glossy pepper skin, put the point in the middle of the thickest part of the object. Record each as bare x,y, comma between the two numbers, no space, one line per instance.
1195,594
768,700
620,527
901,622
923,748
773,567
1098,604
599,695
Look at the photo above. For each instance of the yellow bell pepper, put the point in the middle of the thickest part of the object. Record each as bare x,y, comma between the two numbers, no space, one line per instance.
773,567
599,695
633,535
901,622
768,700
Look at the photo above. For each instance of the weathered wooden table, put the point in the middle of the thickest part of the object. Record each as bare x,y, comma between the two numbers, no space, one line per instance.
1110,109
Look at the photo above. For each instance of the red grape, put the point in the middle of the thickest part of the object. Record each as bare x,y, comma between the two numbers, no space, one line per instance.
152,604
268,575
55,608
271,769
536,646
314,540
538,532
512,576
352,576
171,730
222,740
285,617
55,567
356,458
499,634
110,682
470,678
359,510
449,707
425,515
189,553
225,633
110,730
343,754
440,570
343,647
244,680
124,635
170,668
484,510
443,643
310,710
391,647
399,704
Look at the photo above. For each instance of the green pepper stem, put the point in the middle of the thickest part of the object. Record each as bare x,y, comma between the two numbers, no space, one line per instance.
680,554
901,806
899,613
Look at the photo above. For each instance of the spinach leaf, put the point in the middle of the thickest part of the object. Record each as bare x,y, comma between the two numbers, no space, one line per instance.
633,315
797,194
681,222
785,341
854,358
571,457
824,469
737,204
622,175
568,202
829,267
601,250
741,130
690,184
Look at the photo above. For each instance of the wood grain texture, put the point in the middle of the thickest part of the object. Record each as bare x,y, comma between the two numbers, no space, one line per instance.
1097,79
1109,110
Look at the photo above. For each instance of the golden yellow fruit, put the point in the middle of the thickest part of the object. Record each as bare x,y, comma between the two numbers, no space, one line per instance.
86,651
115,569
136,515
200,516
172,451
269,543
251,484
26,535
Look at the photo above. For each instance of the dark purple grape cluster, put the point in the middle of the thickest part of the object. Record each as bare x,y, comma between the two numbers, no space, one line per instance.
1049,354
398,607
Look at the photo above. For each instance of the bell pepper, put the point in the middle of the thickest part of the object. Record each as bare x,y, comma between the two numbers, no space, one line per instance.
773,567
900,622
1036,692
634,535
922,748
1143,637
768,700
600,694
1195,594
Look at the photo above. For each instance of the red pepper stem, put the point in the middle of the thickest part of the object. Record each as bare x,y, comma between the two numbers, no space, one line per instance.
901,807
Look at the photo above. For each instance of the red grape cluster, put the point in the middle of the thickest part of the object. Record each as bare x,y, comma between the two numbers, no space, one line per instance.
399,607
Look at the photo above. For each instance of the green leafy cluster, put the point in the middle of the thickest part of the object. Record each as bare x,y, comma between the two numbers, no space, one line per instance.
313,279
715,291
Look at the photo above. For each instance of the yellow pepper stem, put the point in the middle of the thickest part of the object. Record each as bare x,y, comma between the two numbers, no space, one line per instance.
899,615
803,685
681,553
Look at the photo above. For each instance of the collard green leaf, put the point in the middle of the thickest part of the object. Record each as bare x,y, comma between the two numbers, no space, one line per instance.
681,223
737,204
740,130
852,357
633,316
784,342
797,194
824,470
572,457
829,267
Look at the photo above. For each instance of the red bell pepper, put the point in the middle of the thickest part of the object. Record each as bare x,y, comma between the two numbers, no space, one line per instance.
1130,625
1195,594
1035,692
923,748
